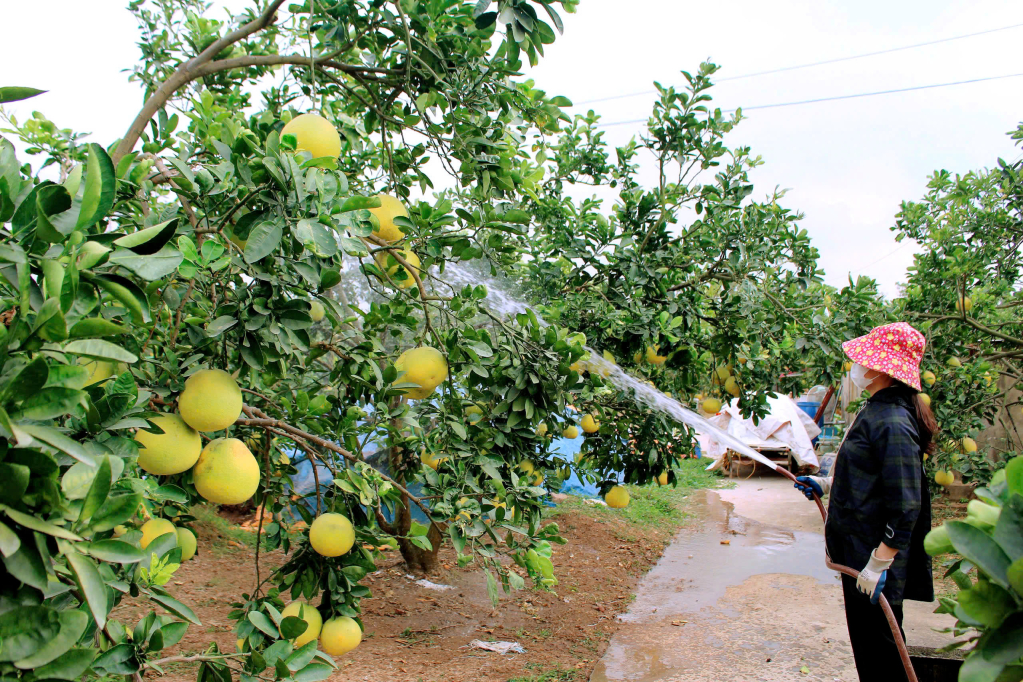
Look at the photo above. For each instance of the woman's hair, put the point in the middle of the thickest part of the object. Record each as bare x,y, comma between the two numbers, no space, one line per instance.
926,424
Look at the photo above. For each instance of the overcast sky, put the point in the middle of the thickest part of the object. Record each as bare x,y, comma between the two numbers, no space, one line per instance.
848,164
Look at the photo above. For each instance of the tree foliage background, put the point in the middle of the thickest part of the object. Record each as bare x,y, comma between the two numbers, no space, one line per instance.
201,239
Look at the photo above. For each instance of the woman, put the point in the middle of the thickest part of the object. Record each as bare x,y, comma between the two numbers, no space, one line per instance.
880,507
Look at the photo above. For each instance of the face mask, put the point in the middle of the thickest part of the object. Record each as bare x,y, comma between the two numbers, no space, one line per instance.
858,376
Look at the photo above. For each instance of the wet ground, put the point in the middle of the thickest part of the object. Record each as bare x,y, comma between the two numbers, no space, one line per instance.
743,594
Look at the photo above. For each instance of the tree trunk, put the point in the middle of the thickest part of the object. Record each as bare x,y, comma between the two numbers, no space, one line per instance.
416,558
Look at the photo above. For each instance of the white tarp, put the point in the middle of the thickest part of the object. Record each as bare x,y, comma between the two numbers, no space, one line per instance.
786,426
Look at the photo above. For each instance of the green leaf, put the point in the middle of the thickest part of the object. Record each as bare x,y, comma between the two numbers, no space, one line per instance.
29,521
100,183
98,492
174,606
93,327
492,590
301,656
69,666
27,382
72,626
9,541
292,627
263,240
1004,645
14,480
314,672
92,586
1014,475
172,492
14,93
115,511
58,440
173,632
77,480
118,660
50,403
1015,574
25,630
263,623
987,603
1009,529
53,210
151,266
115,551
221,325
49,323
27,566
150,240
980,549
124,291
357,203
100,349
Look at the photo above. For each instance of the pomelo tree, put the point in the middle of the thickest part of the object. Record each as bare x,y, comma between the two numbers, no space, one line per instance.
247,281
963,291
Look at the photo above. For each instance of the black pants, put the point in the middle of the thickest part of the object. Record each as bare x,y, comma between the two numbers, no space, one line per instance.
877,657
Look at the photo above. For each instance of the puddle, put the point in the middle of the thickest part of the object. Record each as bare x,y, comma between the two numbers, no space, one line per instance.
696,568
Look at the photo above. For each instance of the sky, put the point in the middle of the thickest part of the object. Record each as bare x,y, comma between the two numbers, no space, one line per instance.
847,165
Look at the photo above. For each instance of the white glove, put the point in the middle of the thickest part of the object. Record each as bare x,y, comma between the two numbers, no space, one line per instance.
872,578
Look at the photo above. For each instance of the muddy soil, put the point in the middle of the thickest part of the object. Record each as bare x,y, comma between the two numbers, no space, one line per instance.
414,633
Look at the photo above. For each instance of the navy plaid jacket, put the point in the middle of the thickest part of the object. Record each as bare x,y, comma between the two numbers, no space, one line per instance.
879,493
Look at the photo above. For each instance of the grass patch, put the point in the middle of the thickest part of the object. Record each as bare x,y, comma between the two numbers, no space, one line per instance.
208,517
652,504
558,674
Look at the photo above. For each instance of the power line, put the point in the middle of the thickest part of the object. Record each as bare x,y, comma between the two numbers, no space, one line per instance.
839,97
819,63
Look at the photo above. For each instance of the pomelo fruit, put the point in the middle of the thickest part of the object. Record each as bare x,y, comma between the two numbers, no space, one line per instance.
925,399
340,635
187,543
589,424
955,362
617,497
570,432
316,311
541,430
389,209
526,467
944,478
969,445
211,400
410,257
153,529
171,452
732,387
312,617
652,357
964,304
662,478
314,134
99,371
424,366
427,458
226,472
711,405
927,376
331,534
474,411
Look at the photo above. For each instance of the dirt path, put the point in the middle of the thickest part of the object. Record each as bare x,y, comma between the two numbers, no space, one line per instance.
744,595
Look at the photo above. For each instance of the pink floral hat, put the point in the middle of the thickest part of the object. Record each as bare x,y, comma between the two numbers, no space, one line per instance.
894,349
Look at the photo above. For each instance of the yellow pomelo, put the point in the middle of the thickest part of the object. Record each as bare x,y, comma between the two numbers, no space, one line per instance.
410,257
211,400
662,478
847,366
538,478
928,377
609,357
652,357
226,472
955,362
331,534
579,366
389,209
171,452
527,467
617,497
429,460
944,478
925,399
570,432
474,410
316,311
240,644
542,429
711,405
340,635
314,134
589,424
424,366
312,617
964,304
187,543
153,529
637,357
732,386
723,372
120,530
99,371
969,445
